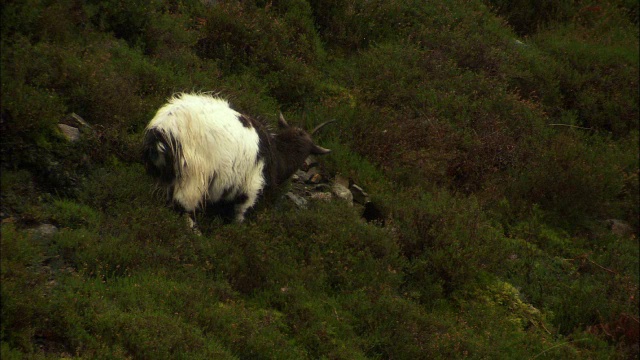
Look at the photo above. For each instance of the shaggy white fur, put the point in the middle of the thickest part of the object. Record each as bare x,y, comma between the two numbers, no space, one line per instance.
218,154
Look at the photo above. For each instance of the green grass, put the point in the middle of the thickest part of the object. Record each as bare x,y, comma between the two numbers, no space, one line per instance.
496,242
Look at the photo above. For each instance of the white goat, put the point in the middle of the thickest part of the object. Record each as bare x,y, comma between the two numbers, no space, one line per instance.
202,151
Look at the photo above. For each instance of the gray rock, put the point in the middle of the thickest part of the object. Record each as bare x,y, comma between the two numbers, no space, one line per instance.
309,163
299,176
342,192
324,196
519,43
359,195
620,228
43,230
76,120
339,179
298,200
71,133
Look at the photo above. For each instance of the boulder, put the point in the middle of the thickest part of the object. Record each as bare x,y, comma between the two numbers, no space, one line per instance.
70,133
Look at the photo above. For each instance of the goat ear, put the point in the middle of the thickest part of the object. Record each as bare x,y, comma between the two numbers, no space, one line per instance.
282,123
319,150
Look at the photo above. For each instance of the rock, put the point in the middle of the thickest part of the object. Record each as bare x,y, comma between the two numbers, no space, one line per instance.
309,174
519,43
341,180
8,219
342,192
299,176
43,230
309,163
324,196
71,133
298,200
315,179
620,228
322,187
313,176
359,195
76,121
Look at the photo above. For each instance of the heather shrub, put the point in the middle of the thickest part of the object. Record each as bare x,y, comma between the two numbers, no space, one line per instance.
576,266
576,177
499,149
278,44
528,17
21,278
448,236
598,83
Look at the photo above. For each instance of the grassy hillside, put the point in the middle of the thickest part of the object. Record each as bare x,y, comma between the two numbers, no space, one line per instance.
499,139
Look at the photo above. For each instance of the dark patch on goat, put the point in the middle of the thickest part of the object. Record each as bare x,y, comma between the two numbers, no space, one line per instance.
241,199
282,153
291,146
226,209
246,121
168,172
266,150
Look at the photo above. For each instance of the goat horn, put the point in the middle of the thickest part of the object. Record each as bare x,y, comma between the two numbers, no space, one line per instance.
282,122
321,126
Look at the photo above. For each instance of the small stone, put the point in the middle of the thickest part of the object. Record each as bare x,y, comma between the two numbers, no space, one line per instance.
8,220
341,180
315,179
298,200
359,195
78,120
299,176
309,163
342,192
324,196
309,174
43,230
620,228
71,133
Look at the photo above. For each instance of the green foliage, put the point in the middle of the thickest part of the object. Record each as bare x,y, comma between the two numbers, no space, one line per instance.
496,161
576,178
527,17
21,279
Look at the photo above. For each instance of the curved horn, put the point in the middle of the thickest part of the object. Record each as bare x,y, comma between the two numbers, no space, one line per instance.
321,126
319,150
282,123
